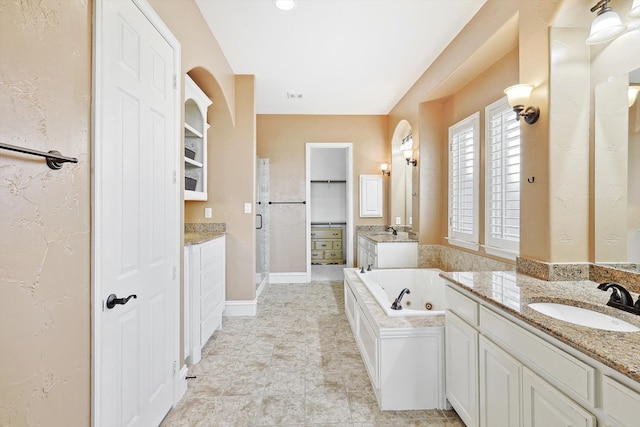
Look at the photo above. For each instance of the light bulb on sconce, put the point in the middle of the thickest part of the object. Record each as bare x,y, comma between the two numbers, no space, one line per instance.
607,24
518,97
407,156
384,167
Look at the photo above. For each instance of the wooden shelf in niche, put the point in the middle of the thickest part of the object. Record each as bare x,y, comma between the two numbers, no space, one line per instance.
195,141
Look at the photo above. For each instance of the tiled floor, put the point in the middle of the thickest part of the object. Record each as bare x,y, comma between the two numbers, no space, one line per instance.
294,364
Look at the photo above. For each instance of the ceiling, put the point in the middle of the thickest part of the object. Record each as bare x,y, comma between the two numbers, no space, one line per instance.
334,56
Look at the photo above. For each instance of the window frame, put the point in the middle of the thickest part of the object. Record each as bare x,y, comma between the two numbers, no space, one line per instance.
503,248
456,237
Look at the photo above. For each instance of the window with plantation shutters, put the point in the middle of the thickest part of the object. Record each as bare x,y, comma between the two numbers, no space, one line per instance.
502,180
464,156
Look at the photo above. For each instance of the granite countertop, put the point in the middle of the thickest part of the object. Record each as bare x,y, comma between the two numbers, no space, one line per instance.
387,237
193,238
512,292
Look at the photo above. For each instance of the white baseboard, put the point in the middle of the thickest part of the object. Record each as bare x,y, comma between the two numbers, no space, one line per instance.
261,287
180,387
240,308
301,277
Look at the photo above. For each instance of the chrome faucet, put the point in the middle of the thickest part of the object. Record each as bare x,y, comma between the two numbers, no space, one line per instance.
620,297
396,304
395,232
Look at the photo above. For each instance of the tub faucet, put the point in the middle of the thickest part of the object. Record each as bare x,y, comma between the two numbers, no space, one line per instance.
396,304
395,232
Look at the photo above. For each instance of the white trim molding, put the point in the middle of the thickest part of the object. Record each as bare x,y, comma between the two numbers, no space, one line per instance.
240,308
301,277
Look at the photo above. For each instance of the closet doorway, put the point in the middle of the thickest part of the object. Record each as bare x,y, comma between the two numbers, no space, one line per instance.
329,191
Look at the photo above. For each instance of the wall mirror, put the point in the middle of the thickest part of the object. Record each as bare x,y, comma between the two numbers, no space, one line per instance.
401,179
617,171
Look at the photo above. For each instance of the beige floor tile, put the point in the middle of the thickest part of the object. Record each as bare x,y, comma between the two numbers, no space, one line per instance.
294,364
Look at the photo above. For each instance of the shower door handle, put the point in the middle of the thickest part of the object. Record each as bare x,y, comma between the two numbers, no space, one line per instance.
259,228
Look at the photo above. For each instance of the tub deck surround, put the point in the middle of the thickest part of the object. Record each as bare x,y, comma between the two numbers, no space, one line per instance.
404,356
379,316
512,292
425,287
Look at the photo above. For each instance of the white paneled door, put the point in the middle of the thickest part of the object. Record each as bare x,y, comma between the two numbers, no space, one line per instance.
136,205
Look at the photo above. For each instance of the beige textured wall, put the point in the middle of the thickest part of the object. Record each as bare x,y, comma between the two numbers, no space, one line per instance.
282,139
533,19
45,93
231,139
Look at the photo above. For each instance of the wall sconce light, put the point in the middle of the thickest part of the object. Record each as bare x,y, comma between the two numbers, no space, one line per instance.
407,156
633,94
285,4
607,24
634,13
384,167
518,96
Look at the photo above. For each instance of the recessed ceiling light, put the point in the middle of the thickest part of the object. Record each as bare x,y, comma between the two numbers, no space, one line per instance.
285,4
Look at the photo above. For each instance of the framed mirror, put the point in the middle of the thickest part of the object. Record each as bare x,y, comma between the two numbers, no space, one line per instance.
617,171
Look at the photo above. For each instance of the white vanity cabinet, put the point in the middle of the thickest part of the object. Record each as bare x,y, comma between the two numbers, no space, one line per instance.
204,294
500,383
387,255
461,356
504,372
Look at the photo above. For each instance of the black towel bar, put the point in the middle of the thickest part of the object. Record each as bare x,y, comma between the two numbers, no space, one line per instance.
54,158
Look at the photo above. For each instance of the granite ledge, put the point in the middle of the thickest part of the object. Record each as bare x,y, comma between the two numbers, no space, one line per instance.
512,292
194,238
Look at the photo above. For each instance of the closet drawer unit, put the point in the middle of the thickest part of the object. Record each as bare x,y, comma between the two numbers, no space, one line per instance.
333,254
317,254
337,245
322,244
326,233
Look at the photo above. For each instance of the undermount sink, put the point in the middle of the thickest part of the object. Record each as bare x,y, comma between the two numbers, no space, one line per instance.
583,317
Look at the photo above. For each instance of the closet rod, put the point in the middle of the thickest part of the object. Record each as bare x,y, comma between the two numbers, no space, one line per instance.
54,158
288,203
329,223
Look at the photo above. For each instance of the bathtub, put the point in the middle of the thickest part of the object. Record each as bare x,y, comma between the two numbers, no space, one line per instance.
426,286
402,350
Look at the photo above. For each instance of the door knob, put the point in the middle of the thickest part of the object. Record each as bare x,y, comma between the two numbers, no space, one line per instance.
113,300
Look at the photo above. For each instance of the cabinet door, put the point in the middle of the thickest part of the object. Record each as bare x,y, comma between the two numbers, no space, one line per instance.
500,378
545,406
370,195
461,356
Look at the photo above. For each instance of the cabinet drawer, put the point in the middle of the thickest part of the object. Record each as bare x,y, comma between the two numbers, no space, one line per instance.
317,254
322,244
326,233
620,403
576,377
337,245
333,254
462,305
